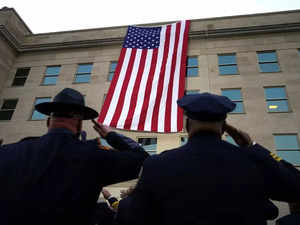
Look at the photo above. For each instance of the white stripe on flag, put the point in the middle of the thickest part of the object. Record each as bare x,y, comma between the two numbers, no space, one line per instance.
148,120
116,95
176,79
141,94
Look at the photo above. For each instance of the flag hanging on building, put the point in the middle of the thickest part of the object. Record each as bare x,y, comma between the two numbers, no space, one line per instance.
149,78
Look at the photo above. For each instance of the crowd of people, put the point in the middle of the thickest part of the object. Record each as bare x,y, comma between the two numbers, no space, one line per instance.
57,178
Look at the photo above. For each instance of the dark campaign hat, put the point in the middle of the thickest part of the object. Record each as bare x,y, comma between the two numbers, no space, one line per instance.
206,106
67,101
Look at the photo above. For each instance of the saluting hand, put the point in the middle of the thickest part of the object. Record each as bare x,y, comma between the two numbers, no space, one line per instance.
242,138
101,129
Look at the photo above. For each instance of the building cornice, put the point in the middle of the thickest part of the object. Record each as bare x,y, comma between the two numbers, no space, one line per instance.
201,34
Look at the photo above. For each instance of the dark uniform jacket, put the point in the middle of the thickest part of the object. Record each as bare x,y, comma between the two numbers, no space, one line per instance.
210,182
56,179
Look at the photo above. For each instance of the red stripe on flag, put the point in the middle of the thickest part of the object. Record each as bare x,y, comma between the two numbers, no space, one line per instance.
112,87
154,123
120,104
182,76
148,91
170,87
135,91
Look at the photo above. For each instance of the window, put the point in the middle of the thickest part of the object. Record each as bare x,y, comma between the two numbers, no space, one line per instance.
192,66
276,99
21,76
235,95
287,147
37,115
149,144
230,140
268,62
8,108
191,92
83,74
227,64
183,140
104,142
112,69
51,75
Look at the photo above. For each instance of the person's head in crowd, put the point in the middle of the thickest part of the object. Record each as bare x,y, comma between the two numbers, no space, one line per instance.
67,110
205,112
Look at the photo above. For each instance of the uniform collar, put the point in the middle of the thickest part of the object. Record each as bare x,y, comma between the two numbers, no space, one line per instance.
206,134
60,130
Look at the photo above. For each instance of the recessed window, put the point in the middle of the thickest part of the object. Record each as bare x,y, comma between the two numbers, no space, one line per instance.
8,108
192,92
230,140
51,75
235,95
83,74
21,76
149,144
227,64
192,66
37,115
276,99
268,62
183,140
287,147
112,69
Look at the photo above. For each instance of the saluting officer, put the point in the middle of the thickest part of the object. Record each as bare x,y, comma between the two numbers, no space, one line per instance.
57,178
209,181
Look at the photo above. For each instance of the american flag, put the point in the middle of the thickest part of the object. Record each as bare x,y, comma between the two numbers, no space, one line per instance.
149,78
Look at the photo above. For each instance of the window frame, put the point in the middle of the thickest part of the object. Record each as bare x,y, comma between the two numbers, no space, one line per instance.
269,62
277,99
241,100
191,67
151,152
20,77
286,149
111,71
33,110
82,74
225,65
194,91
8,109
45,75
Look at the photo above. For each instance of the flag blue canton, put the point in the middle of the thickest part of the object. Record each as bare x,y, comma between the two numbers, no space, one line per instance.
142,37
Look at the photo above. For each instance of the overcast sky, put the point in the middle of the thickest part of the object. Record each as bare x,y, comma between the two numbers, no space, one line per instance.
62,15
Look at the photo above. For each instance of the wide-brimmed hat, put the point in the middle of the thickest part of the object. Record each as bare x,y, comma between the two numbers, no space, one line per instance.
67,101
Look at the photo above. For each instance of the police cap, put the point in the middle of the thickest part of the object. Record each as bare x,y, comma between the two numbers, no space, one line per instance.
206,106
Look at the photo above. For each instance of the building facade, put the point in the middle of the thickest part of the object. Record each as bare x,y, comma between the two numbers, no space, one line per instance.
252,59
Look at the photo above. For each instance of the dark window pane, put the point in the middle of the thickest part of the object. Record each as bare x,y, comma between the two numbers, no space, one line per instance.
230,140
286,142
9,104
83,78
49,80
277,106
227,70
53,70
233,94
19,81
275,93
192,72
110,76
6,115
22,72
267,57
290,156
239,107
192,61
84,68
269,67
113,66
227,59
